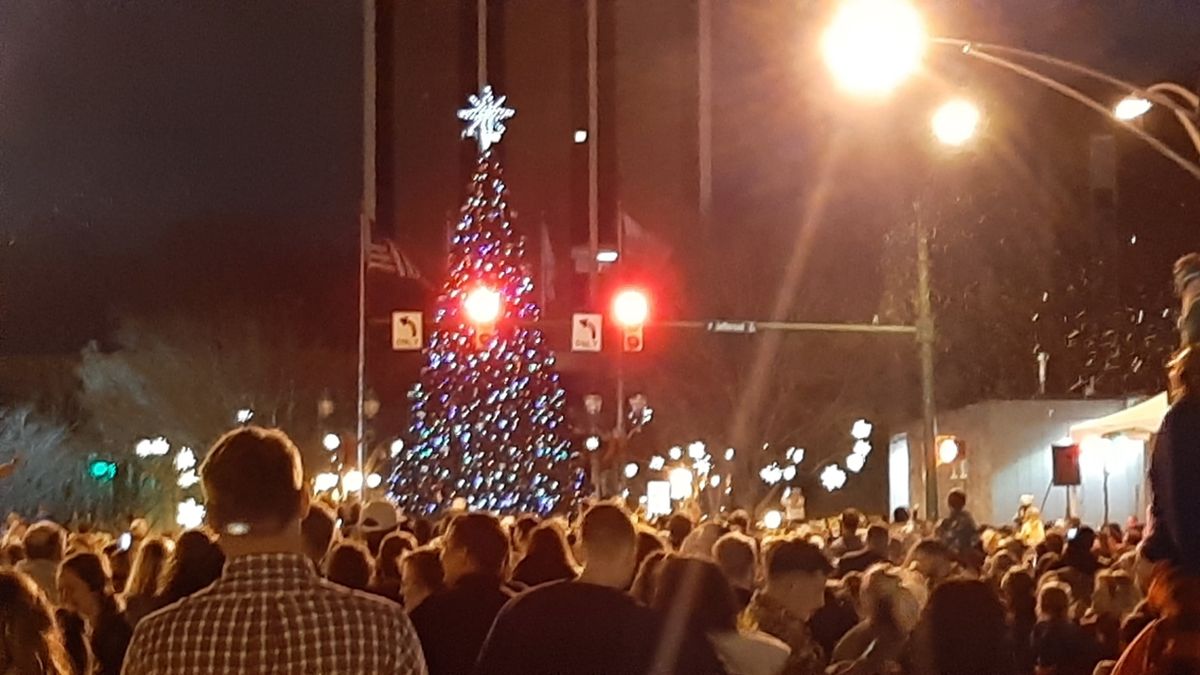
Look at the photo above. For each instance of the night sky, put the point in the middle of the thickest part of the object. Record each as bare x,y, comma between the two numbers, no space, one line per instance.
215,145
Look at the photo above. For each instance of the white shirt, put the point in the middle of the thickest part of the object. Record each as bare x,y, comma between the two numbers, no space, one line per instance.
750,653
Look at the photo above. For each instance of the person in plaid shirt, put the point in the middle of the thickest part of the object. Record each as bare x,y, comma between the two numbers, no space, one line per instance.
269,611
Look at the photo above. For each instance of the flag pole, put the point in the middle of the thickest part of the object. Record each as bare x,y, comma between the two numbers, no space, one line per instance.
364,228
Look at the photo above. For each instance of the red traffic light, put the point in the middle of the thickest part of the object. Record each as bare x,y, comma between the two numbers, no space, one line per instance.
631,307
483,305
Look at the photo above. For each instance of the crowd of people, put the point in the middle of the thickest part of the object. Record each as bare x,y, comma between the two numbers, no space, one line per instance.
278,583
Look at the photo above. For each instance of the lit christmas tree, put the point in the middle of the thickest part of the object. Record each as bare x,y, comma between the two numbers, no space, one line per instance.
488,410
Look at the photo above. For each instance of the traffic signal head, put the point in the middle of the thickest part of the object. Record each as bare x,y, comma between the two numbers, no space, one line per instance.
483,305
631,307
102,470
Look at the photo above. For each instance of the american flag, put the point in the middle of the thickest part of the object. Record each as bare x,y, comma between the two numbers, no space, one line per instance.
384,256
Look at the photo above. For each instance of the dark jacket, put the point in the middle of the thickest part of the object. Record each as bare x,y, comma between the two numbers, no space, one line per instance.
537,571
1063,646
453,623
109,639
1174,477
576,627
858,561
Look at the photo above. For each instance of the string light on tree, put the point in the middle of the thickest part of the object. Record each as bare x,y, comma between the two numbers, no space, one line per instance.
189,514
861,430
487,415
833,478
855,462
152,447
185,459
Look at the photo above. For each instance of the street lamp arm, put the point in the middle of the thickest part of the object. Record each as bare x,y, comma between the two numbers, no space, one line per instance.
1151,93
1193,100
971,50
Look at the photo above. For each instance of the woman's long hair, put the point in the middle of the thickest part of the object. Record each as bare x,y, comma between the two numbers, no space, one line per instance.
1183,374
30,641
963,631
547,556
694,593
195,565
146,577
92,569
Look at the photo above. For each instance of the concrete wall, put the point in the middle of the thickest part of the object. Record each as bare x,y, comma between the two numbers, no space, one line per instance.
1008,454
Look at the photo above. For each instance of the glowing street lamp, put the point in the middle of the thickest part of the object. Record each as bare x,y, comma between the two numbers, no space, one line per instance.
955,122
331,441
352,481
1131,107
872,46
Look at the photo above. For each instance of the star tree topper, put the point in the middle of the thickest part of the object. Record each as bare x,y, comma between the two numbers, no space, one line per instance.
485,117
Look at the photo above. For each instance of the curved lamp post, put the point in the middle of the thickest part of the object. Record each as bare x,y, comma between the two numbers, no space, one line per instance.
872,46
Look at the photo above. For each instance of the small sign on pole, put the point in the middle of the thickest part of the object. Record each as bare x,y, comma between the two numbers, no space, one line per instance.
406,331
586,333
743,327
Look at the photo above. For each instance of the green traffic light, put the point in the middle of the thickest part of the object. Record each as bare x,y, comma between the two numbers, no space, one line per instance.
102,469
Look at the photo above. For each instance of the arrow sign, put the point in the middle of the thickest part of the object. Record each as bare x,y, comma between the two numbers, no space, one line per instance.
743,327
586,333
406,331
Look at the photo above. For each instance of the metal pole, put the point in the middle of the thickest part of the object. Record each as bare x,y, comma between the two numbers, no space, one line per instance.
481,44
593,145
925,340
704,114
365,220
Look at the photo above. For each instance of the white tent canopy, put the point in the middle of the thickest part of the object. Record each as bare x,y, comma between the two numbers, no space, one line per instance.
1143,420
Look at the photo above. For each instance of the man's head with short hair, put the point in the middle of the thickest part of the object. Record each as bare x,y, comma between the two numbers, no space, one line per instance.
1054,600
957,499
796,572
736,557
45,540
422,575
522,529
931,558
254,483
317,531
878,538
475,544
851,519
679,526
608,545
350,564
900,515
